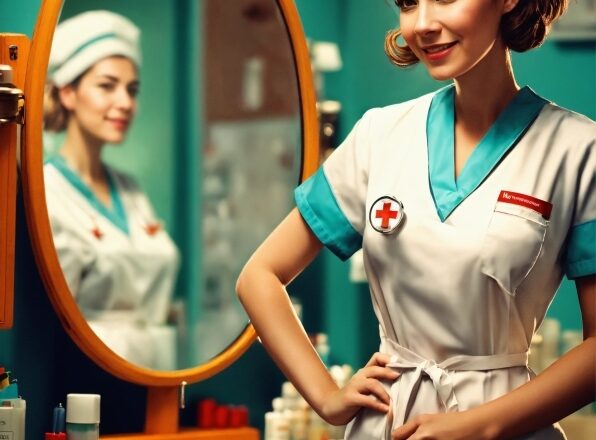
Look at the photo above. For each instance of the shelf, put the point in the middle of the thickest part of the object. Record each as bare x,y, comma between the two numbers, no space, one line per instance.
192,434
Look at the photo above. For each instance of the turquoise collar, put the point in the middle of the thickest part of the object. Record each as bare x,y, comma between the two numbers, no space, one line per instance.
511,124
117,214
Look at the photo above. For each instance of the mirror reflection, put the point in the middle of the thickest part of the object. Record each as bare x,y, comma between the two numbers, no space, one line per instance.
172,143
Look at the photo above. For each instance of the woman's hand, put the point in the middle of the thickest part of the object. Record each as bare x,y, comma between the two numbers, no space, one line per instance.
364,390
466,425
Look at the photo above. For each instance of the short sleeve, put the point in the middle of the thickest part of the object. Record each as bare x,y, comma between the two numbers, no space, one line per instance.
332,201
580,257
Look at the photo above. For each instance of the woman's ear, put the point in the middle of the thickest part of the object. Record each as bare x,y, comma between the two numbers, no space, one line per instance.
509,5
68,97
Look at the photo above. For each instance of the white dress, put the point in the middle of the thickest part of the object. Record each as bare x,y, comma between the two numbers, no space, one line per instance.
119,263
462,283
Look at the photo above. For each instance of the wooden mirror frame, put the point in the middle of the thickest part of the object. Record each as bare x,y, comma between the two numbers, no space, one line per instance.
161,383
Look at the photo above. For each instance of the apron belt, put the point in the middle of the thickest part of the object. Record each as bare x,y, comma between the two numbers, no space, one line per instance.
403,391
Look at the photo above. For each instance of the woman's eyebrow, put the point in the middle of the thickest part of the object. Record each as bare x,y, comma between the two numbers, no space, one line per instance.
107,76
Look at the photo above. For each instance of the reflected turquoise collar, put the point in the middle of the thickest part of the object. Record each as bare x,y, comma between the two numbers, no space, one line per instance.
511,124
117,214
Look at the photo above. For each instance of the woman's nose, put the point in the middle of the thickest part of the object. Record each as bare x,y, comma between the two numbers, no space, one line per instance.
426,22
124,100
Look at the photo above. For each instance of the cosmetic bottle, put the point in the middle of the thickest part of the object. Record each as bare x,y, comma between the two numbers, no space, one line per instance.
12,419
277,426
318,429
58,424
535,361
300,419
82,416
551,334
322,348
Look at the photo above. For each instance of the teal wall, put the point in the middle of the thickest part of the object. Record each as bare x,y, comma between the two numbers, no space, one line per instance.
49,365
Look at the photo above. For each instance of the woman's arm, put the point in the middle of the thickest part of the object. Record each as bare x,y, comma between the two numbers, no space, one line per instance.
261,289
565,386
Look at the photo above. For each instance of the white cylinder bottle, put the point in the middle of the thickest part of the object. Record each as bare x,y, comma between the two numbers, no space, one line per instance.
82,416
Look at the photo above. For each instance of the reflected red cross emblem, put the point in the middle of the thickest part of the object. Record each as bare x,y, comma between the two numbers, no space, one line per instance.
386,214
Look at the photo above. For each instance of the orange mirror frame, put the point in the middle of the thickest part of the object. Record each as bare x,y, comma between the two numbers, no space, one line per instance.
39,224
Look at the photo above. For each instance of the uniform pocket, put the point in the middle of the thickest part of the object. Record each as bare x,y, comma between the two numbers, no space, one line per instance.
512,244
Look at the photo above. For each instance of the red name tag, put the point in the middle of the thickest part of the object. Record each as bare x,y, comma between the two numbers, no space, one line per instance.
537,205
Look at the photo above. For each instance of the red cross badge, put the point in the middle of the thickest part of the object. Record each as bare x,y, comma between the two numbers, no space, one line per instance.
386,214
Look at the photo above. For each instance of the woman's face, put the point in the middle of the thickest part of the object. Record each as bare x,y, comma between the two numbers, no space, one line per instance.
103,103
451,36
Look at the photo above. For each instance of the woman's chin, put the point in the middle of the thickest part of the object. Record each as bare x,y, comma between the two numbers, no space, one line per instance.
441,75
115,139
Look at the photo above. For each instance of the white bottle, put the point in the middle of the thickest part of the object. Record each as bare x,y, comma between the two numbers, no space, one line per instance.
82,416
317,428
551,334
322,348
299,428
290,395
535,361
277,426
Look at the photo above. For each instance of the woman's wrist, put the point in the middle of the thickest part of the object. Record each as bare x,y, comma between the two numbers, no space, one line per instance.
488,425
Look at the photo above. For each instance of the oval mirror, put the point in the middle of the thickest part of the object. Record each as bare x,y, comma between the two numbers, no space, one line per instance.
223,129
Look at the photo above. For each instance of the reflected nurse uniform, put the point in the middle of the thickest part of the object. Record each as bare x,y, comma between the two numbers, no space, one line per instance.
119,263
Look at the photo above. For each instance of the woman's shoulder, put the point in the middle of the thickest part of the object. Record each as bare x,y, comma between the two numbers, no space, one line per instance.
573,131
571,118
51,172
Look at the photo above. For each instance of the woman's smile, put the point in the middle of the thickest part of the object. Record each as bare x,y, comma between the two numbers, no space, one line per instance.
437,52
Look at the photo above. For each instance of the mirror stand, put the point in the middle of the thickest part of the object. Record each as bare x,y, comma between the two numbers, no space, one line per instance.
14,49
162,422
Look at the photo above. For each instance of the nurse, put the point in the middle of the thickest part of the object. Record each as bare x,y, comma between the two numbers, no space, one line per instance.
470,204
118,261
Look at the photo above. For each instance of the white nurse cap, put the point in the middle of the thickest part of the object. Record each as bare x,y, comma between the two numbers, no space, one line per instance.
81,41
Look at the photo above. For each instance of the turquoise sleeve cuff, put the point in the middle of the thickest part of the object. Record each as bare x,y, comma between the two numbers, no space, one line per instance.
320,210
581,251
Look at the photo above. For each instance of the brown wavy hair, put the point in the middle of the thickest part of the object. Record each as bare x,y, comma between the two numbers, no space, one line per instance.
55,116
523,28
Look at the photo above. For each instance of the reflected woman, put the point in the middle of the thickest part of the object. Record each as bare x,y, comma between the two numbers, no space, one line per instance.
119,263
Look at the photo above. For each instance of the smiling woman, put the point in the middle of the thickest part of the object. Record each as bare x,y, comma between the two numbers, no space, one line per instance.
469,205
120,265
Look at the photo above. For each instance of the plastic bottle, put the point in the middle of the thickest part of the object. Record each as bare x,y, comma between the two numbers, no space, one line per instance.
317,427
290,396
82,416
277,426
322,348
299,428
535,358
551,334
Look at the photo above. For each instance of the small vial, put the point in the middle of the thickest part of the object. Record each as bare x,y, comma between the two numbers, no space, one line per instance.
82,416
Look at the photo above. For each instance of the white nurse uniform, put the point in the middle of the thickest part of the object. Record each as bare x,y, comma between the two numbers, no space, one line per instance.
463,282
120,265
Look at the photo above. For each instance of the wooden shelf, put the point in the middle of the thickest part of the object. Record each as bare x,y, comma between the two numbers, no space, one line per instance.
192,434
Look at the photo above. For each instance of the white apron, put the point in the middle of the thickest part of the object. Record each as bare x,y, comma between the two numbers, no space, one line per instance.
461,285
121,266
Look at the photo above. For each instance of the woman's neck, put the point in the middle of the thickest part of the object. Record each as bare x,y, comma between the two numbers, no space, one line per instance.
82,152
484,91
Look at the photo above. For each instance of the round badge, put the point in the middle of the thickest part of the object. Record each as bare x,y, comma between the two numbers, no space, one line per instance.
386,214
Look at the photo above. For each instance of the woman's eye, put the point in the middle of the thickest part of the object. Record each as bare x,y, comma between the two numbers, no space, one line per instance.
133,91
405,5
106,86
